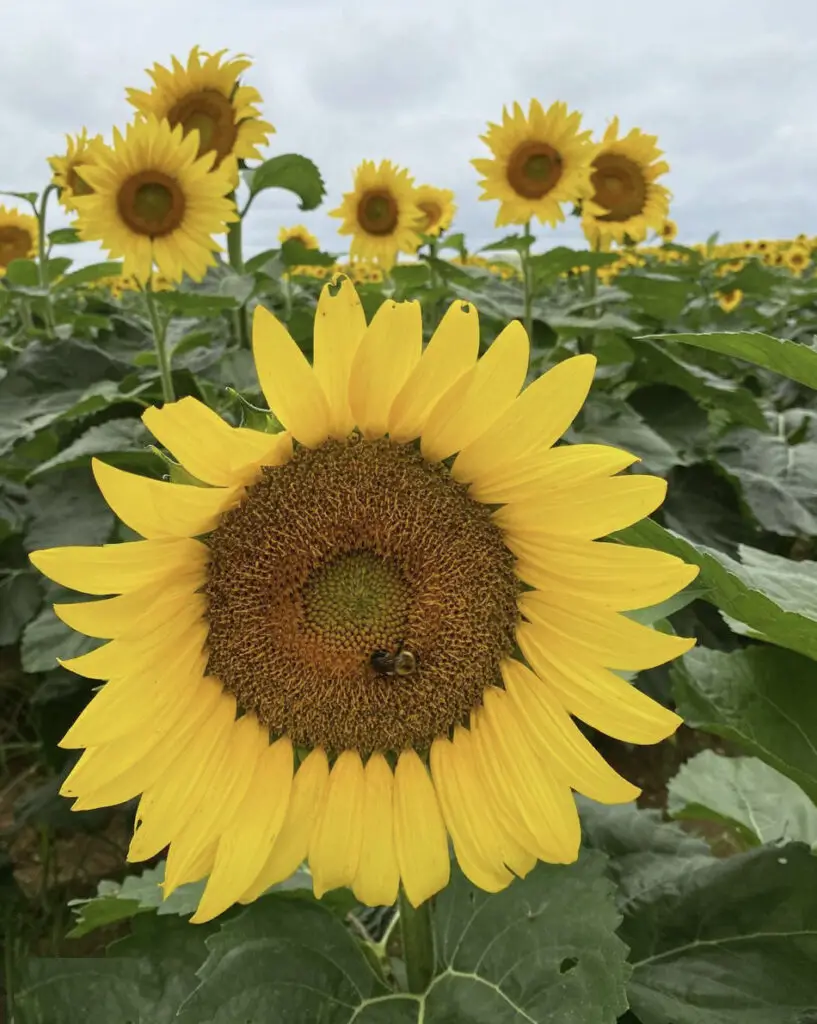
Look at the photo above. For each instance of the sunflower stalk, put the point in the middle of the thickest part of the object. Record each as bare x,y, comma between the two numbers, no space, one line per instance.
42,260
160,344
527,281
418,942
236,254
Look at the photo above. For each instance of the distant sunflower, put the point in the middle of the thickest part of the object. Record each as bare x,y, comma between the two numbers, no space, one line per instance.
668,230
66,174
539,162
380,213
299,232
351,642
207,97
626,201
155,201
797,258
18,236
730,299
437,207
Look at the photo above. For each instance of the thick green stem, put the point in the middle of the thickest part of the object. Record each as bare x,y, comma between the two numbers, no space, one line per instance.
418,943
160,344
527,283
235,252
42,260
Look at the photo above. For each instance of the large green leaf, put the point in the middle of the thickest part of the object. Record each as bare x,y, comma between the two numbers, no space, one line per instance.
20,598
763,698
734,942
759,802
122,443
47,638
67,508
658,295
606,419
87,275
789,358
292,172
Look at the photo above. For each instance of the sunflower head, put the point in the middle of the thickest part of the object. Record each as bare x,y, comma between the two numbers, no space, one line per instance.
380,213
67,169
626,201
208,97
539,161
18,236
155,201
437,207
730,299
797,257
668,230
301,234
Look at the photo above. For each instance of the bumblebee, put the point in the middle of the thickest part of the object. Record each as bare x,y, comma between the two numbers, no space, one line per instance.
401,663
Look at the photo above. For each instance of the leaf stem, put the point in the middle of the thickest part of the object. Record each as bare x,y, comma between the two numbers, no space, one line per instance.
160,344
42,260
418,942
235,252
527,283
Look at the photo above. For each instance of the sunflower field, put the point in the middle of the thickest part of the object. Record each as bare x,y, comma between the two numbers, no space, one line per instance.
405,633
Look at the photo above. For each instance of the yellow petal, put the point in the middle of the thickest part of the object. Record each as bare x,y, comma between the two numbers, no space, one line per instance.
551,730
614,575
224,791
388,352
536,420
597,634
196,869
156,509
290,848
451,352
597,696
334,847
555,468
473,833
543,802
339,326
290,386
419,833
587,511
120,568
378,876
479,398
245,844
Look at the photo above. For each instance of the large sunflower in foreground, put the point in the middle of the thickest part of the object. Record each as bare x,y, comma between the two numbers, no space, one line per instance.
437,207
380,213
66,174
155,201
207,97
539,162
369,632
18,236
627,202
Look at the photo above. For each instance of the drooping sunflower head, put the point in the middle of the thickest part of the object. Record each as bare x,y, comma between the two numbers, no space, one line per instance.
155,201
18,236
208,96
730,299
301,234
437,207
538,163
380,213
406,584
627,201
67,174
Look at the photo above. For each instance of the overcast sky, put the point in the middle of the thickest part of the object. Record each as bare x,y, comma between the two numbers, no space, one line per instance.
728,86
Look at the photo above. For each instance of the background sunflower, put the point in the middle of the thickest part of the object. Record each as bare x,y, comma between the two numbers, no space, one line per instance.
438,208
299,232
67,174
18,236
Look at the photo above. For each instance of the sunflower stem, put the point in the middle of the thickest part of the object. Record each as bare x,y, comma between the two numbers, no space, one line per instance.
527,283
236,254
418,942
42,260
160,344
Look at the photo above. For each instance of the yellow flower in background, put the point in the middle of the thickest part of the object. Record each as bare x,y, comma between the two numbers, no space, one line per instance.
668,230
67,174
207,96
437,207
538,163
729,300
18,236
380,213
797,257
299,232
156,201
406,585
626,201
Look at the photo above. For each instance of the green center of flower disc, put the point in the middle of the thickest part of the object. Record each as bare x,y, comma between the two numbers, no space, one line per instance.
377,212
534,169
619,186
151,203
15,244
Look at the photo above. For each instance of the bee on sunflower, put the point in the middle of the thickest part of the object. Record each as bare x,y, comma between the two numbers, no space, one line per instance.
18,236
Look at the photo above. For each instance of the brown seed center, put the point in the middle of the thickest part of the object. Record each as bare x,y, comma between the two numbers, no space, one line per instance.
15,244
534,169
212,114
620,187
377,212
151,203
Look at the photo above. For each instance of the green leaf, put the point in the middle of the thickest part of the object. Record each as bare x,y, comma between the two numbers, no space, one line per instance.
123,443
30,197
606,419
658,295
63,236
550,264
23,273
789,358
762,698
87,275
515,243
47,638
195,303
746,794
734,942
67,508
295,254
292,172
20,599
455,241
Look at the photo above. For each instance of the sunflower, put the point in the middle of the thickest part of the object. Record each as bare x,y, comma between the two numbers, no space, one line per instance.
797,258
370,631
300,233
380,213
437,207
207,97
539,162
155,201
18,236
66,176
668,230
729,300
626,200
